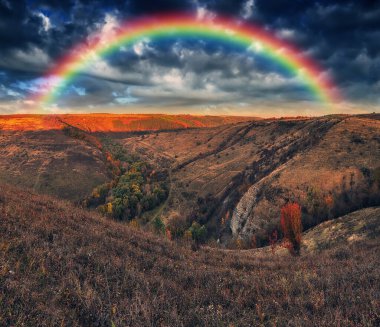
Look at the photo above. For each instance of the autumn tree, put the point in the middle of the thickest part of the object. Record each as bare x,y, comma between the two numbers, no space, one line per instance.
291,226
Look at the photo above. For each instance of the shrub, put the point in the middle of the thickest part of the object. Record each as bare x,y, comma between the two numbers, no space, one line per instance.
318,205
376,175
188,236
198,232
239,243
357,139
291,226
253,244
158,225
177,227
134,224
168,234
273,239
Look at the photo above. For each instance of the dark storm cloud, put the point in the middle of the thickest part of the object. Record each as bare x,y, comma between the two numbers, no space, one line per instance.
341,36
18,28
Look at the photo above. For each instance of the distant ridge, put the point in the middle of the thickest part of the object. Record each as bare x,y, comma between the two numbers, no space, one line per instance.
104,122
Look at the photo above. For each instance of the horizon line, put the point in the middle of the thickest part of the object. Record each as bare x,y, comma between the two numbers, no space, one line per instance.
184,114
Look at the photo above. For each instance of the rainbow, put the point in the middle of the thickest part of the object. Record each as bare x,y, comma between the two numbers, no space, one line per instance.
182,25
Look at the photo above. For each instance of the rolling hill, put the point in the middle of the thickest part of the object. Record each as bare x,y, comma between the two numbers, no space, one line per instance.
232,178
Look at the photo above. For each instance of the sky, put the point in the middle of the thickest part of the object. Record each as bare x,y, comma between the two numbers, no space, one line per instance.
190,75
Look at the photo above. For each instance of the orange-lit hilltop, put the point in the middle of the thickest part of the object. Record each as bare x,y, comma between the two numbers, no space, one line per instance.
113,122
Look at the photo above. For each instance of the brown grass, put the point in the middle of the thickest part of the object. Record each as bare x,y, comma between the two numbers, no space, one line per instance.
51,163
61,266
359,225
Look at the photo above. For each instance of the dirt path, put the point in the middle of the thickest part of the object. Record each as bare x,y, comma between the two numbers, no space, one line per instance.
163,206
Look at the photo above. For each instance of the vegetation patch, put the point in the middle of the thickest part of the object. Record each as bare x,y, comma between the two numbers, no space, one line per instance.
137,188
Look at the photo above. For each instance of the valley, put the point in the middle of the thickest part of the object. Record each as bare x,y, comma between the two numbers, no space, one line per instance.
217,171
233,178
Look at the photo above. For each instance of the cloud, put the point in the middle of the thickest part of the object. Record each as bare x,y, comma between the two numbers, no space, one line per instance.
142,46
173,79
248,8
286,34
37,85
203,13
33,58
8,93
124,97
256,47
201,10
126,100
46,24
81,91
342,38
108,29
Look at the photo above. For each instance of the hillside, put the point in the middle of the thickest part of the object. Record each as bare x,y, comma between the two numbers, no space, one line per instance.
339,173
112,122
50,162
357,226
233,178
79,269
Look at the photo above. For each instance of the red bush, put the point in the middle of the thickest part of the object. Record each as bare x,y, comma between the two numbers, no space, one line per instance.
273,238
291,226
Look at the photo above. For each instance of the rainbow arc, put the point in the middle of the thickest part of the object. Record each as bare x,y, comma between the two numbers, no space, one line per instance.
218,29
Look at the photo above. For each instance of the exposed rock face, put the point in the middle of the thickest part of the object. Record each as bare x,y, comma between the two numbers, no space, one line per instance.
248,216
241,214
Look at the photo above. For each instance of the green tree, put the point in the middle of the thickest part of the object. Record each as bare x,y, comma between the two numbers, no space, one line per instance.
198,232
158,225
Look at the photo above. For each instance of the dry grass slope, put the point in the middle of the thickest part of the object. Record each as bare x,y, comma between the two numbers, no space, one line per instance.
51,163
63,266
359,225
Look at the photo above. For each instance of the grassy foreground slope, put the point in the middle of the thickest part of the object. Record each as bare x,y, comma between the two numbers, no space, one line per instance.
63,266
